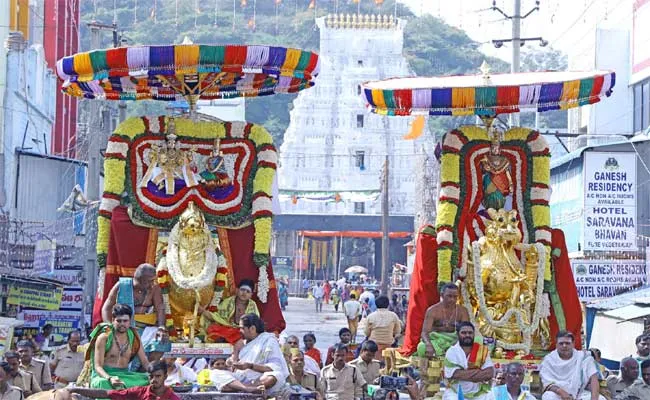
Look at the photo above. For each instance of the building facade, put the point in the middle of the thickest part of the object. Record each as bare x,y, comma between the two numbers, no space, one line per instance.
334,150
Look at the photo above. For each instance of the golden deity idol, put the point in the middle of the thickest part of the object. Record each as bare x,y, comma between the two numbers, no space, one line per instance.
503,294
192,261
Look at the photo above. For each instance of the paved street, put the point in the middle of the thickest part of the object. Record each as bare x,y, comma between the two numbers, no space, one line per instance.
301,317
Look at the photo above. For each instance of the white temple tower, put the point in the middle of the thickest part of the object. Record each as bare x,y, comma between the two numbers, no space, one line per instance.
334,146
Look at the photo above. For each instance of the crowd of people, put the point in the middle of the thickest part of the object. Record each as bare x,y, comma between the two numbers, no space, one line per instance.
274,365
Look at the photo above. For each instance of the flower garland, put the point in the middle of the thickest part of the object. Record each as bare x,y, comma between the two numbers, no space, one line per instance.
164,282
527,328
533,191
257,203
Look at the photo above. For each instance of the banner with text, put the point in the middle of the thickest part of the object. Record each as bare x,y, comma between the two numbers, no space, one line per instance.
63,322
49,299
610,201
597,279
282,266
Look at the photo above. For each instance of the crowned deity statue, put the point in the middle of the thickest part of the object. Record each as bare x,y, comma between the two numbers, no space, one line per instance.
215,174
497,176
168,163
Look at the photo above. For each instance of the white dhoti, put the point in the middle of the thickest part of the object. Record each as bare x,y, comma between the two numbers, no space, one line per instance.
571,375
263,350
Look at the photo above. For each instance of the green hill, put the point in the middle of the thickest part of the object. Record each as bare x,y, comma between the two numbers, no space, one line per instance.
431,46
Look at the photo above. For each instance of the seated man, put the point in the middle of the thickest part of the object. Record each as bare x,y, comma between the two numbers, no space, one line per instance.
111,349
366,362
639,389
514,377
298,374
23,380
179,374
261,365
155,390
569,373
143,295
440,322
468,367
223,323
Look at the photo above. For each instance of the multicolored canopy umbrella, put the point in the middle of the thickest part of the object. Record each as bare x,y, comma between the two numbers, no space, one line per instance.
487,95
192,71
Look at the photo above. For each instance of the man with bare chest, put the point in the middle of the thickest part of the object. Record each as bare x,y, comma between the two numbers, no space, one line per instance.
224,324
439,327
143,295
112,348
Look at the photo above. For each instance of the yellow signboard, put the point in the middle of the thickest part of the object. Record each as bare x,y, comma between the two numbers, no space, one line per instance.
44,299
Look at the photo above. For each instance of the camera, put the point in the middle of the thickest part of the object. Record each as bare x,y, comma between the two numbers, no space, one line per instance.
392,382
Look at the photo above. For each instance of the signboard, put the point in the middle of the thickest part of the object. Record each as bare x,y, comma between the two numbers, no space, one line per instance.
282,266
63,322
72,299
596,279
44,256
49,299
610,201
69,277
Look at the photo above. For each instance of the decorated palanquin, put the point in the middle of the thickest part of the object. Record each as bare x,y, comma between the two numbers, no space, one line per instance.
493,234
194,198
493,237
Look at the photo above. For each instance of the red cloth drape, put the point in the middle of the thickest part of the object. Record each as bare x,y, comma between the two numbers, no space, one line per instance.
566,289
424,288
129,247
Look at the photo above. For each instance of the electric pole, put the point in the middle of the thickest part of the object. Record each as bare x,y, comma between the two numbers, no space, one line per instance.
516,40
385,238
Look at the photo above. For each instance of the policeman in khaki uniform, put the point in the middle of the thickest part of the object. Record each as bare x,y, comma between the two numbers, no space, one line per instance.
341,381
67,362
39,368
23,380
366,363
7,391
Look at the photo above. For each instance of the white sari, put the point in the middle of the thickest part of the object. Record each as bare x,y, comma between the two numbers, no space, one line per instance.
263,350
571,375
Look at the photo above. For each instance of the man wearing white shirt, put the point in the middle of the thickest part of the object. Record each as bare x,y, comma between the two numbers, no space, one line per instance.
514,376
318,292
352,310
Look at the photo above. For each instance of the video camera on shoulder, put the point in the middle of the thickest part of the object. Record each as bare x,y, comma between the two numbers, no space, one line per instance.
392,382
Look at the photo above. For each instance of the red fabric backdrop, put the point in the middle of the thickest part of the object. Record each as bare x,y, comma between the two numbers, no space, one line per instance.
566,290
130,246
424,288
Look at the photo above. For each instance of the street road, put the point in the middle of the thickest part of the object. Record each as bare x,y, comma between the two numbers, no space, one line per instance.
301,318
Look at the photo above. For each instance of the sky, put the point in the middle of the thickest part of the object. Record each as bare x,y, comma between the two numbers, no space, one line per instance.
566,24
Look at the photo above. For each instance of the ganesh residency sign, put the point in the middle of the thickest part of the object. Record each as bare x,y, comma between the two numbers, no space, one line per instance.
610,202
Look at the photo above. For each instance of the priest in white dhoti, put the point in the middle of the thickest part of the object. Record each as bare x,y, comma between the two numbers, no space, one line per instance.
467,367
261,366
568,373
